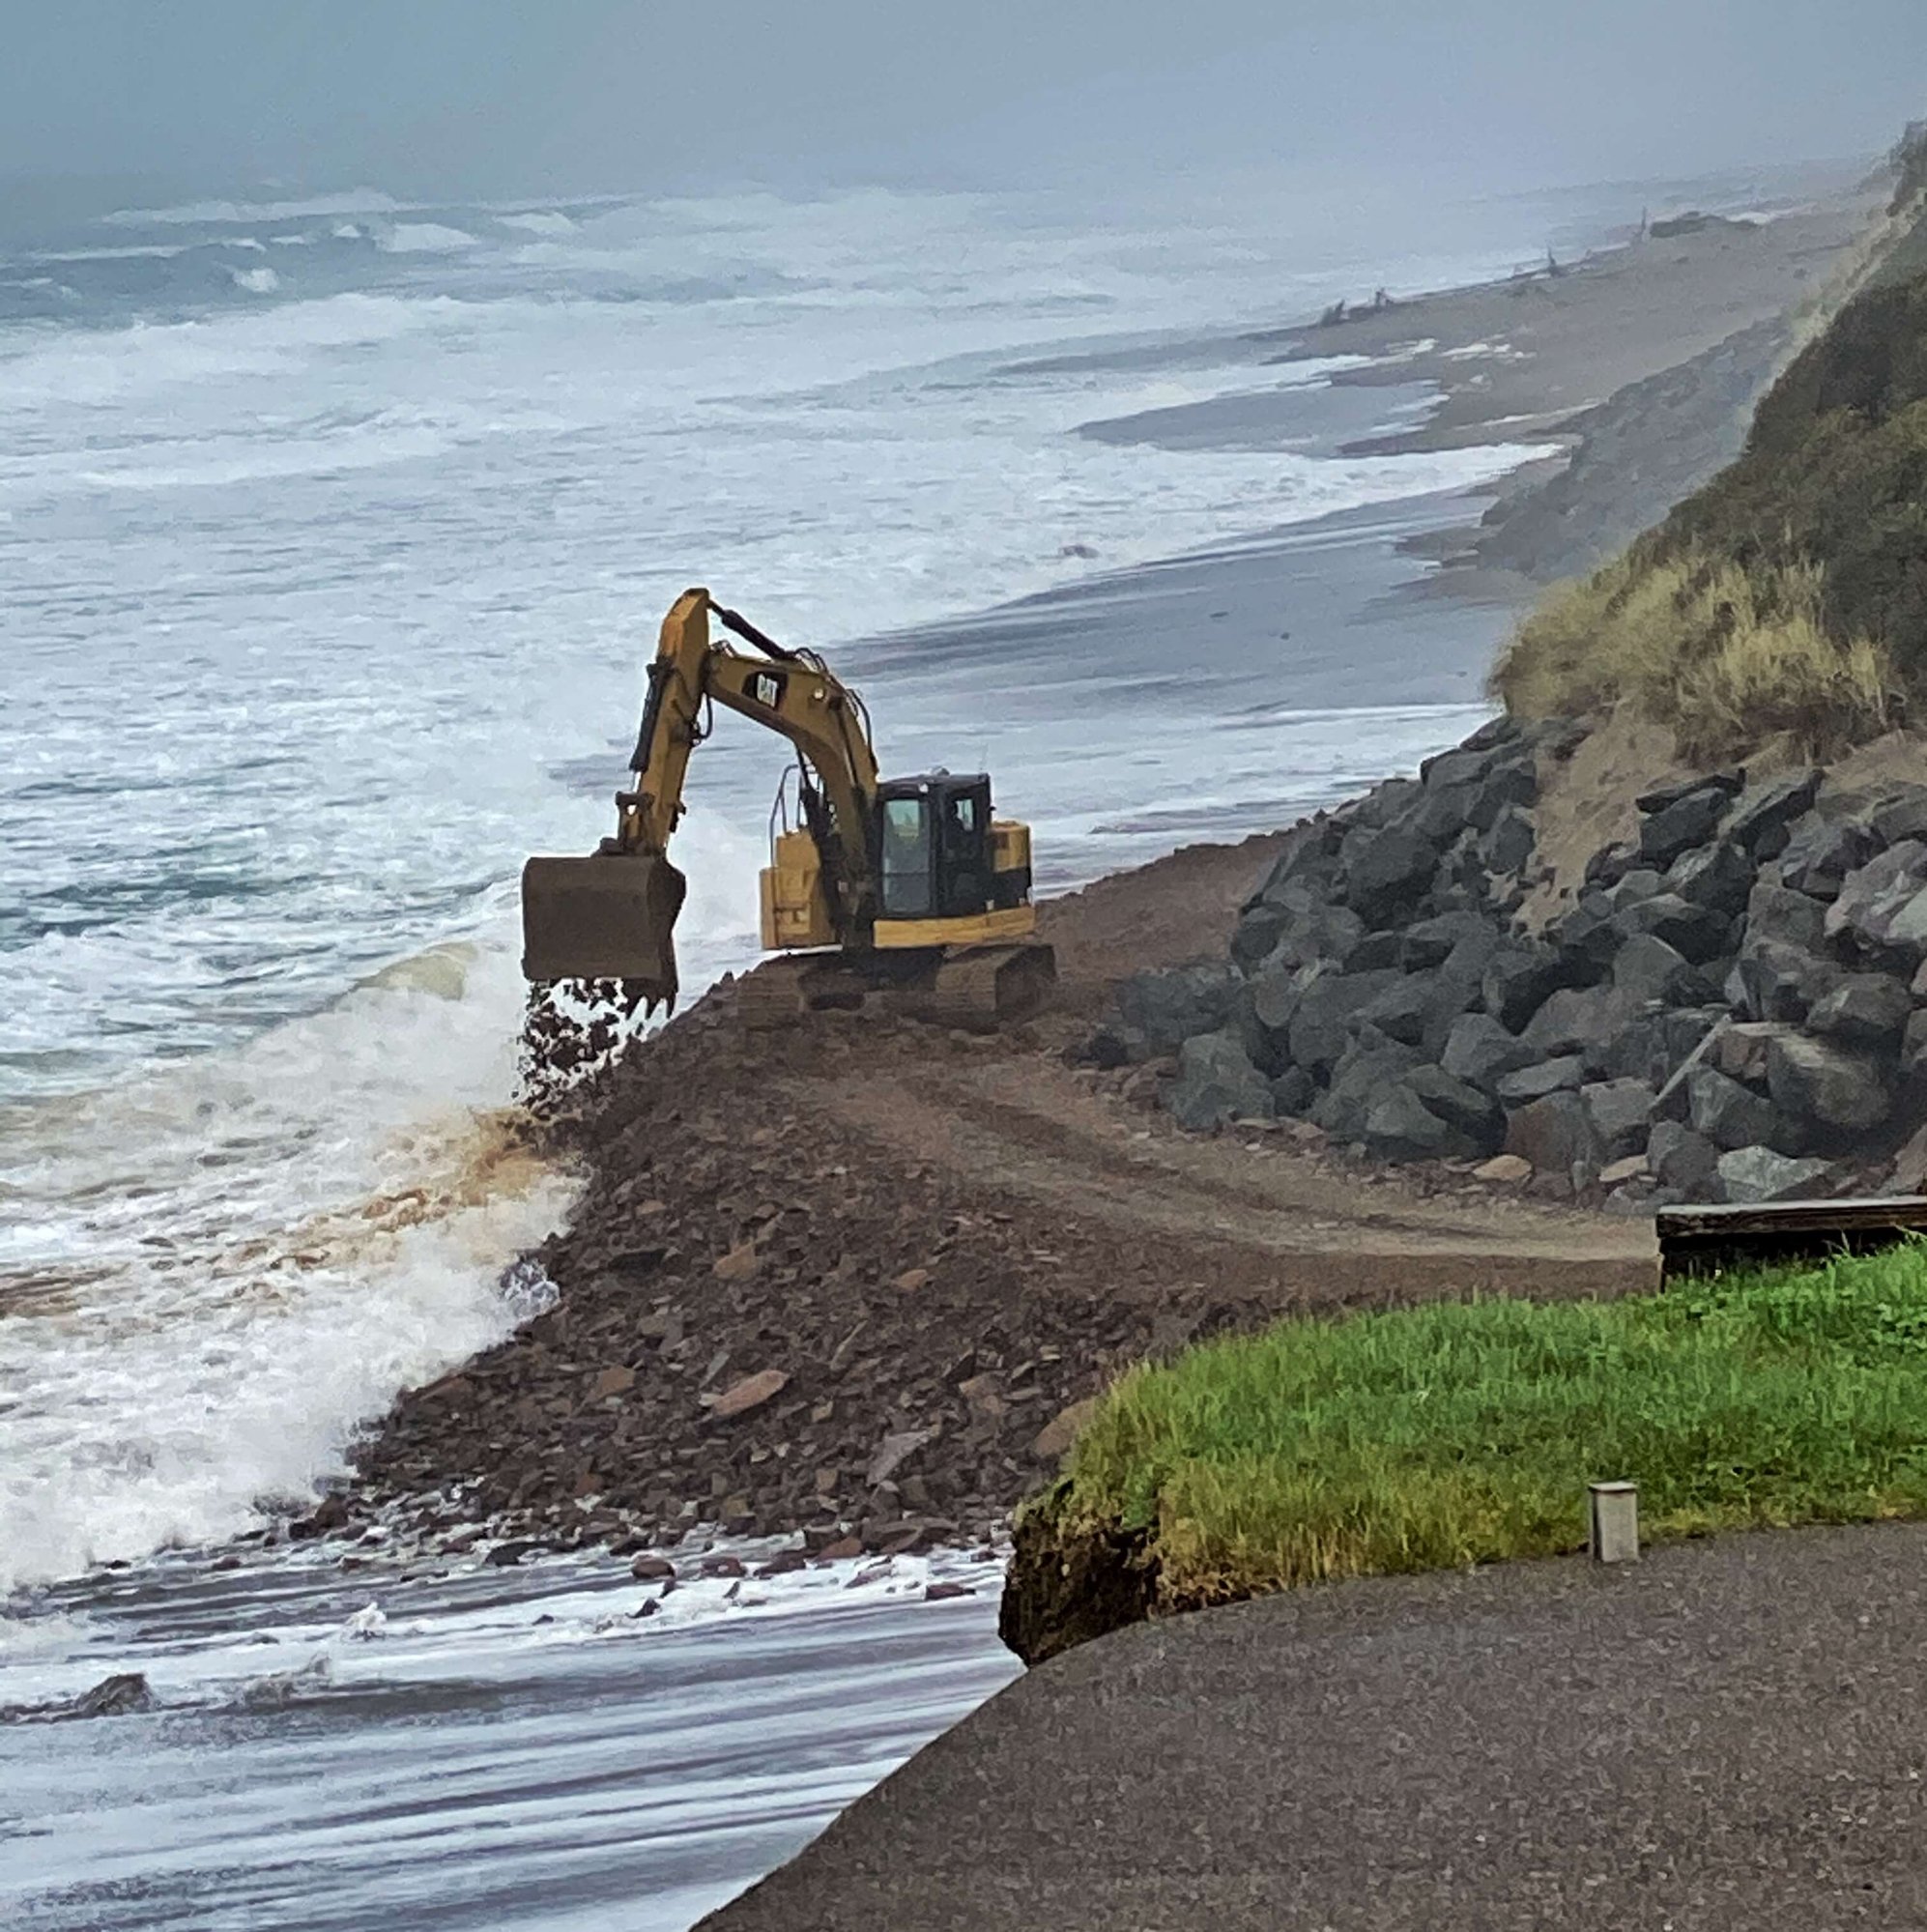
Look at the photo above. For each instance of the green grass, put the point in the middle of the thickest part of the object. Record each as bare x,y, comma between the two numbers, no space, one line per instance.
1463,1433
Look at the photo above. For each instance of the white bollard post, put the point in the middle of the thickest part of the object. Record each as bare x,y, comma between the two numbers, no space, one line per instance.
1614,1522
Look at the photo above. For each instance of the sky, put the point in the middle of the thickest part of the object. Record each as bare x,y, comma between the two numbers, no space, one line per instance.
477,96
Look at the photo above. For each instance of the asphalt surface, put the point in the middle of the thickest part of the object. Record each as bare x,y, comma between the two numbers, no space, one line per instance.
1729,1734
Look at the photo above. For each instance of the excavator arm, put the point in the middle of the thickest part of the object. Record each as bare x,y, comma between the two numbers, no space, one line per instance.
612,915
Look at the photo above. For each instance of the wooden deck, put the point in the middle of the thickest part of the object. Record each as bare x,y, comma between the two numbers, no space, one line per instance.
1701,1241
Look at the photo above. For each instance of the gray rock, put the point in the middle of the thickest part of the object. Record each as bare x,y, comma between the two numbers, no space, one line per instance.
1398,1126
1588,938
1320,1030
1821,851
1779,913
1217,1083
1902,817
1620,1112
1480,1052
1740,1050
1555,1135
1696,933
1690,1036
1430,943
1462,766
1640,1051
1884,902
1274,996
1466,964
1635,887
1717,875
1815,1081
1728,784
1567,1073
1771,981
1685,1160
1401,1010
1384,802
1727,1113
1258,930
1866,1009
1520,979
1764,813
1752,1174
1687,820
1357,1082
1508,845
1612,863
1172,1006
1419,1008
1293,1091
1318,935
1265,1051
1582,1021
1460,1105
1377,952
1386,872
1510,786
1647,968
1914,1047
1441,815
1461,884
126,1693
1308,856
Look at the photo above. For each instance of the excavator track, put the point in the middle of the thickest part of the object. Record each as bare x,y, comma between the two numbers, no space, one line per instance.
977,988
986,987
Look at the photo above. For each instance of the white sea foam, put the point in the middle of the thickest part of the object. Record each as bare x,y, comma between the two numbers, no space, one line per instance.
539,222
122,366
425,238
257,281
218,1270
200,213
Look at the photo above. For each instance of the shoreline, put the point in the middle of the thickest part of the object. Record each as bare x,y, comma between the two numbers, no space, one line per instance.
682,1296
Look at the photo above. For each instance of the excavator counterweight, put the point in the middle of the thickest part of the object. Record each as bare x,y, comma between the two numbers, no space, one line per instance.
908,891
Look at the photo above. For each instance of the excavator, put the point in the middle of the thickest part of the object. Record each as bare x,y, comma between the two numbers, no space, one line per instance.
907,893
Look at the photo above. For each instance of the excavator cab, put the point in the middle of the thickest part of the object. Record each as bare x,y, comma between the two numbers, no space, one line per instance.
934,846
949,872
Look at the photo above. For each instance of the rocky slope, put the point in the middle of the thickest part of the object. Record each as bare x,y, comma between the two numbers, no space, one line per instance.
1730,1004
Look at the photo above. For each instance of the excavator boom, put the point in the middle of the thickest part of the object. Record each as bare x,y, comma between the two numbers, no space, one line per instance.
922,894
612,915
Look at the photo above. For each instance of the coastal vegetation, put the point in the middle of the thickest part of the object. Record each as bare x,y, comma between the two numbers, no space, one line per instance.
1465,1433
1783,607
1734,660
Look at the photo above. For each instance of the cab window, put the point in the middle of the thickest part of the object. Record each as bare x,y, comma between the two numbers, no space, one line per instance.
907,865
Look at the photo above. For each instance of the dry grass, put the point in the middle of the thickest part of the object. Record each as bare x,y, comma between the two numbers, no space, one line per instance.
1732,662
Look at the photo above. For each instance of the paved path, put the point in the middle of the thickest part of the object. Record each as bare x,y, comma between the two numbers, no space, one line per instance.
1730,1735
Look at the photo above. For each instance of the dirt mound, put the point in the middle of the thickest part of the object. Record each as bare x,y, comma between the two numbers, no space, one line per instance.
849,1274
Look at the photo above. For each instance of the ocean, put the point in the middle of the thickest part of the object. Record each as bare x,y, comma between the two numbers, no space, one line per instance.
333,535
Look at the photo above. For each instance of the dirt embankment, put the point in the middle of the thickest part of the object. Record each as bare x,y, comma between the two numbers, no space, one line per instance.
851,1277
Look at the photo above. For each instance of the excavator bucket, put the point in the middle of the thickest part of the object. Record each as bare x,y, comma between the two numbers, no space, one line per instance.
609,916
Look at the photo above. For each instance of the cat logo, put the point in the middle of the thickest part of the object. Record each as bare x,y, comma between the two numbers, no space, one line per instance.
766,688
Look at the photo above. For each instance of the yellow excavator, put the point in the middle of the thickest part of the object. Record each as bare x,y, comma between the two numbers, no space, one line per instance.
904,892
